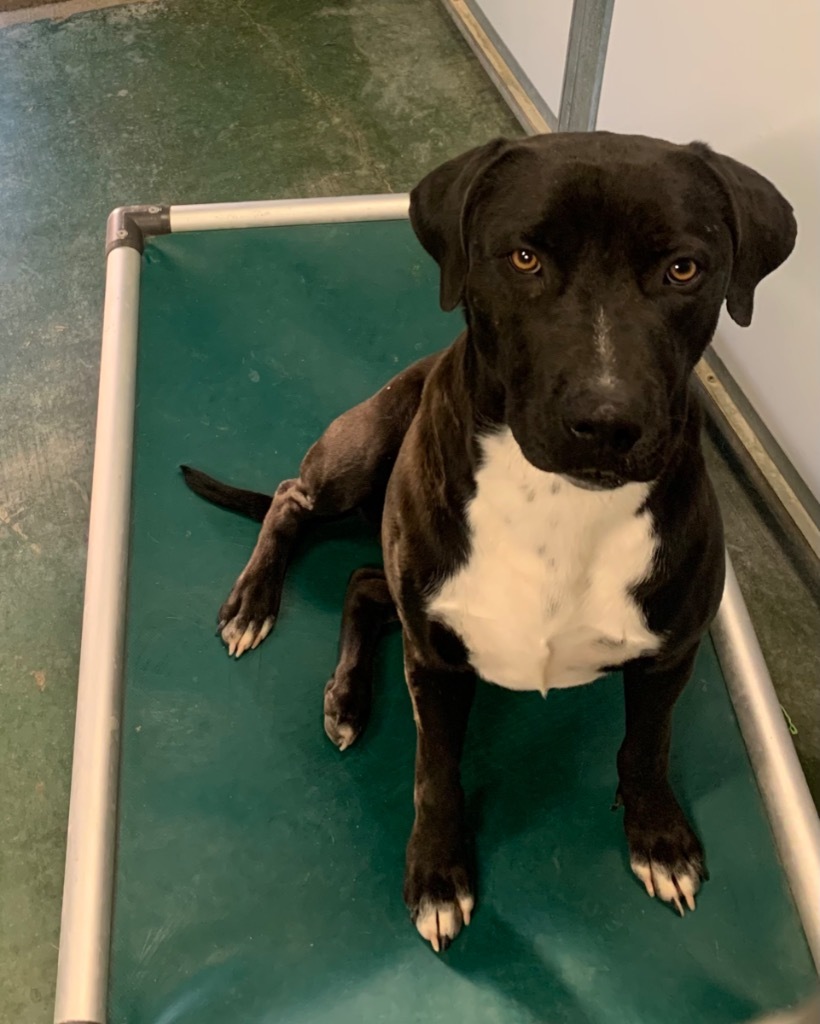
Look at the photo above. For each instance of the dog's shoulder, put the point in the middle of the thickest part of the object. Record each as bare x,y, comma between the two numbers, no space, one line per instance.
682,594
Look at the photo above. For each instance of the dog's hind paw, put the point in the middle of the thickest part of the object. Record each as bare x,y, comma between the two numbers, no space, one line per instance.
346,707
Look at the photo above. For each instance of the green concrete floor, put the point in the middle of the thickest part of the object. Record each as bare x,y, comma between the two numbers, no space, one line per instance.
185,101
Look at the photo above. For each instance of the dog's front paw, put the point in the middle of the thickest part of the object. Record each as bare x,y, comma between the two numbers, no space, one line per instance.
439,897
248,615
664,852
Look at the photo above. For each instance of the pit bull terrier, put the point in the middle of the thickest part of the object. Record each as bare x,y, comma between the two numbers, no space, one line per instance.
545,513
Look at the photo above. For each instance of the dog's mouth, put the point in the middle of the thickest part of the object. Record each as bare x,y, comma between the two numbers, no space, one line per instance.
608,475
596,479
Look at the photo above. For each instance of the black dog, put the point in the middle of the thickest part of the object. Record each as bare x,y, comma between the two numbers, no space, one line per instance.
545,511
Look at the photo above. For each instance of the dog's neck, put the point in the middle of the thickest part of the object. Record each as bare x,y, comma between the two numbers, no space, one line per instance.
480,388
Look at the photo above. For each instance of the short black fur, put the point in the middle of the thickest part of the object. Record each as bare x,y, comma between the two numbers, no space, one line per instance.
606,216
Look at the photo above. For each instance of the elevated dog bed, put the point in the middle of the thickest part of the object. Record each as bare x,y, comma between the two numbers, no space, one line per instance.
258,871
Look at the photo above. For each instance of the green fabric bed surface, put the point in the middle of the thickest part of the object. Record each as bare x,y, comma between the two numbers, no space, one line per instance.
259,871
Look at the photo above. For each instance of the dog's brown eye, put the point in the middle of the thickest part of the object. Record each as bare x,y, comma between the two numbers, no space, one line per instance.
525,262
682,272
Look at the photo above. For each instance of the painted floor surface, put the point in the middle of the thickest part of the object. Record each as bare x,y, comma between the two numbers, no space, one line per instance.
184,101
260,870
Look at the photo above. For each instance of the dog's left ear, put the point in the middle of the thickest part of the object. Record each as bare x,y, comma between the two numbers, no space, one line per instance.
763,228
437,207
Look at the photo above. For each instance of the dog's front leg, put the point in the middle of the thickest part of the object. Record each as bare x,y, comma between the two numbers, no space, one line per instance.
665,853
438,882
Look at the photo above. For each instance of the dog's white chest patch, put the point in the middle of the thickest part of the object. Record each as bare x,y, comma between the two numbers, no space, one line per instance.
544,599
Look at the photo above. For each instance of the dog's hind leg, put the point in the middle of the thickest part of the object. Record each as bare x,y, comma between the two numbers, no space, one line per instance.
368,608
346,470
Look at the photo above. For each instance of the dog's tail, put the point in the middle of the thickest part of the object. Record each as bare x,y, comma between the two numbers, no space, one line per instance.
247,503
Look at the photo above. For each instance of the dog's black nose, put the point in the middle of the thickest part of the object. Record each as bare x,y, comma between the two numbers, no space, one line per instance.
607,426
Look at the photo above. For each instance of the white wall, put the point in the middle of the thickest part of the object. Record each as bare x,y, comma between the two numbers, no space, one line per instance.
743,75
536,33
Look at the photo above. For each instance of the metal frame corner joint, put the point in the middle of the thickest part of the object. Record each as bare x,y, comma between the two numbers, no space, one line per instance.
131,225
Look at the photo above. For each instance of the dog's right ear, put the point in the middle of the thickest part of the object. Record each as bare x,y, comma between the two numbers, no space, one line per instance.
437,207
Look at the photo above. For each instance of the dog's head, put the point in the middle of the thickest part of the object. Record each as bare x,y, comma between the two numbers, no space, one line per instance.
592,268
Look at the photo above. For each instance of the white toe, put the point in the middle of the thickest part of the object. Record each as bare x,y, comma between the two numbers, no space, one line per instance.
644,873
343,735
267,626
466,903
677,889
437,921
231,637
246,639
